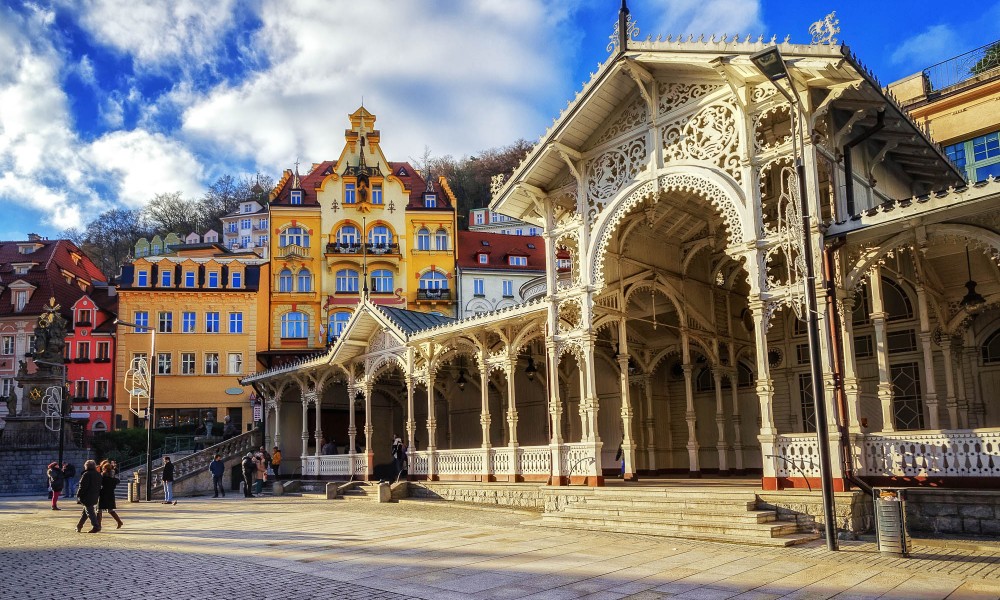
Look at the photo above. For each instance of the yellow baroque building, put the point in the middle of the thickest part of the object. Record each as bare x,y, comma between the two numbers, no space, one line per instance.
358,226
205,309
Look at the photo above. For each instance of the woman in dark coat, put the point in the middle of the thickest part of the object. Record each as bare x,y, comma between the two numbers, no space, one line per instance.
109,481
89,493
56,482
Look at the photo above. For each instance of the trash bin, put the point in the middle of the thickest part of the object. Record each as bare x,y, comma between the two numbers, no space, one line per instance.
890,523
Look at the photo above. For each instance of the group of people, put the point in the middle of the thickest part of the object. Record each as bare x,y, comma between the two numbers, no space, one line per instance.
257,468
96,492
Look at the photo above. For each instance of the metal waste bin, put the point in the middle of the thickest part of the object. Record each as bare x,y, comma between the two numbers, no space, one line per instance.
890,523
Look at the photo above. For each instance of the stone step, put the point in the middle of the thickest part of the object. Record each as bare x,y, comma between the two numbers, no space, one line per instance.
674,504
706,514
661,493
677,523
783,541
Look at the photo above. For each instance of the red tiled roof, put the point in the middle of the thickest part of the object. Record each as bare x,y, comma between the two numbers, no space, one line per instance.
309,182
52,258
470,245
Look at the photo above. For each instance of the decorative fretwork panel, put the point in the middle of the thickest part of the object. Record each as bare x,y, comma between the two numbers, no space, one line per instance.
797,455
675,95
634,116
610,171
534,460
711,135
969,453
459,462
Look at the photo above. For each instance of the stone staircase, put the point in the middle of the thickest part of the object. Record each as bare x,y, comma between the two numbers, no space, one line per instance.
699,514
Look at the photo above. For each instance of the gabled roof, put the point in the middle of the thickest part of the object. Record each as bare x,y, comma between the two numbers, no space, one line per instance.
282,193
500,246
411,321
55,260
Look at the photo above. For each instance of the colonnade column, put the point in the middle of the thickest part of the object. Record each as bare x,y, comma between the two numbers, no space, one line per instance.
720,421
431,427
277,422
650,423
555,417
511,404
951,401
764,387
881,350
852,387
352,428
628,444
484,415
305,425
737,434
930,395
318,426
411,423
690,415
369,430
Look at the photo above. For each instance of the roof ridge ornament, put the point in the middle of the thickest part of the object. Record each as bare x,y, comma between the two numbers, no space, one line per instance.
825,30
625,29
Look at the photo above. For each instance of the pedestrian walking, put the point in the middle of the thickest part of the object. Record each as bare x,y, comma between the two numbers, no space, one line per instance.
88,494
620,456
249,470
218,469
276,461
56,483
69,484
168,481
398,454
261,473
106,501
267,458
228,428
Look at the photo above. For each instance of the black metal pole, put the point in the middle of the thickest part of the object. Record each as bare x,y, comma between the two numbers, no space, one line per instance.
62,423
816,368
149,424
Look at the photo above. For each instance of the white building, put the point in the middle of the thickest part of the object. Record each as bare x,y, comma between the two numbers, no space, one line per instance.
495,270
246,228
485,220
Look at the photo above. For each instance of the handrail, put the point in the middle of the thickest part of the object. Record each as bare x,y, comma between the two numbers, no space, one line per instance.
795,466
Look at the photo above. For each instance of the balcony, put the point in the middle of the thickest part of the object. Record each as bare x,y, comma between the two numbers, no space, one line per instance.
979,64
293,250
433,295
375,249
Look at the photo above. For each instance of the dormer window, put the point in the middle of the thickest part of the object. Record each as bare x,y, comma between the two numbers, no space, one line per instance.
20,300
517,261
296,197
430,201
483,258
350,193
165,278
247,208
142,279
22,268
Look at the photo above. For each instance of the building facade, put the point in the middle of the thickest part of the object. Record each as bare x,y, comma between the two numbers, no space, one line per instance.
90,356
498,271
247,228
484,219
201,313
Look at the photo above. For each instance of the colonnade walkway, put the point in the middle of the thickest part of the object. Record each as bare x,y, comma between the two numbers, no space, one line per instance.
302,548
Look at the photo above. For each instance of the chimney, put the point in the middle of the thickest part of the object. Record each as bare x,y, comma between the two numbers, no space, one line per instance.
34,237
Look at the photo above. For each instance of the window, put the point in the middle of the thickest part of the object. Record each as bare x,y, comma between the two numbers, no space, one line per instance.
304,280
235,363
262,224
189,279
984,152
247,207
103,350
382,281
142,279
31,345
187,363
101,389
236,279
213,279
21,269
245,241
82,387
423,239
165,278
863,347
430,201
377,194
212,322
245,224
83,350
296,197
907,403
483,258
441,240
478,287
808,402
479,218
517,261
338,321
235,322
990,349
895,302
433,280
294,236
6,387
350,193
166,324
261,240
508,288
211,363
532,231
7,345
380,236
802,355
295,325
347,281
901,341
518,231
285,280
348,235
188,322
141,321
862,311
138,358
232,228
20,300
163,363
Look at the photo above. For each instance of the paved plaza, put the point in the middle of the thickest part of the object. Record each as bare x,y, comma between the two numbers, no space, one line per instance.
292,548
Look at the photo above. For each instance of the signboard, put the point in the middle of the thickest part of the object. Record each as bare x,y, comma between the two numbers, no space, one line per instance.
79,415
258,412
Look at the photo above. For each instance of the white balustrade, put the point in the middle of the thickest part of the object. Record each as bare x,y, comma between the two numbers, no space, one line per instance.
534,460
310,466
576,457
460,462
359,462
335,465
501,460
797,455
421,462
943,453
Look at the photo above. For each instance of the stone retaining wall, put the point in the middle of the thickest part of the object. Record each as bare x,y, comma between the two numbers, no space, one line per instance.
853,509
961,512
22,472
497,494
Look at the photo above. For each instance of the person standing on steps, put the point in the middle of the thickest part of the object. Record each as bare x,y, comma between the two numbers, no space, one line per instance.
261,474
249,470
106,501
276,461
56,482
88,493
168,481
69,472
218,469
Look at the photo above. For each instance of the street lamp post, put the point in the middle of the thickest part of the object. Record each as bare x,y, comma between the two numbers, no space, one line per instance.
62,406
149,406
770,64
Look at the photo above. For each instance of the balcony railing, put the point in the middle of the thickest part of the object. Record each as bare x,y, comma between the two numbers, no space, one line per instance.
348,248
974,63
433,294
83,323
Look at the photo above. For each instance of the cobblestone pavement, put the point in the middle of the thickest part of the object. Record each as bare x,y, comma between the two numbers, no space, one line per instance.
292,548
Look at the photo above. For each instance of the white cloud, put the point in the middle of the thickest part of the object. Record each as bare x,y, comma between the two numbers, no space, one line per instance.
469,77
936,43
142,164
155,32
709,17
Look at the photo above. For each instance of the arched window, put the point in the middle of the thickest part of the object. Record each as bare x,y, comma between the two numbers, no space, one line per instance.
295,325
991,349
285,281
380,236
338,321
441,240
895,302
347,281
305,281
423,239
382,281
433,280
294,236
348,235
99,426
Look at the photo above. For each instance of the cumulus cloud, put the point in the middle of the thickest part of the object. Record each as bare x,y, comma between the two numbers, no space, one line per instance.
928,47
709,17
452,79
141,164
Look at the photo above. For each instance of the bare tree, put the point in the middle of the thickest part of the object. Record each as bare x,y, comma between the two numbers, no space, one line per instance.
172,213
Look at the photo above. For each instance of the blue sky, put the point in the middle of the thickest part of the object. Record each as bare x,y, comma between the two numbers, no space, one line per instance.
105,103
